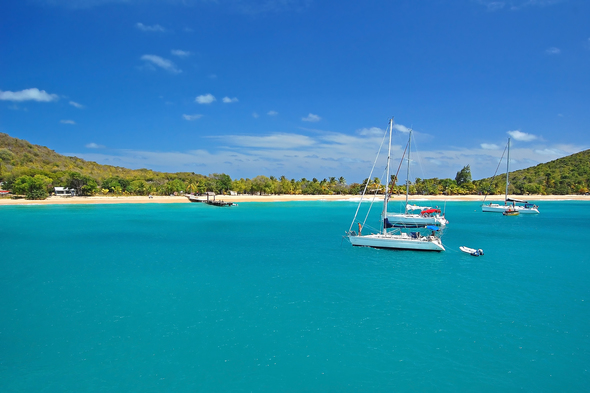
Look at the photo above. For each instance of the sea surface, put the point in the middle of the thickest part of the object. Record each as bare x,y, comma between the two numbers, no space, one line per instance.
268,297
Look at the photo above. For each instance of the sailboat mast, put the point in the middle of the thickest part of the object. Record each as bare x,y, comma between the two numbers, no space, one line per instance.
408,175
386,196
507,171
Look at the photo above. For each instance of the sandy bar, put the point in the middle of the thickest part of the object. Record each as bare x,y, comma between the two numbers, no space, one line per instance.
53,200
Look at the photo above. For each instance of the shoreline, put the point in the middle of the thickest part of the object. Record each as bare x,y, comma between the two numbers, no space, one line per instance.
58,200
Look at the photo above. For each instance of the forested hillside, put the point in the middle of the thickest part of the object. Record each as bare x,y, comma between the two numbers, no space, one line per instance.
567,175
24,166
19,157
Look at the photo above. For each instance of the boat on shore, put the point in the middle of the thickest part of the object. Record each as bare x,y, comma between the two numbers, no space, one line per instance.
212,202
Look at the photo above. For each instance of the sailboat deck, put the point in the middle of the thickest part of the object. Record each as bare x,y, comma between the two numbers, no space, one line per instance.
401,241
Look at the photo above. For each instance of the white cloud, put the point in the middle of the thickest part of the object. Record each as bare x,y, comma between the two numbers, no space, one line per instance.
67,122
373,132
153,28
492,5
540,3
522,136
312,118
180,53
272,113
205,99
515,5
255,115
228,100
161,62
251,7
322,154
551,152
192,117
552,51
401,128
76,105
93,145
273,141
33,94
489,146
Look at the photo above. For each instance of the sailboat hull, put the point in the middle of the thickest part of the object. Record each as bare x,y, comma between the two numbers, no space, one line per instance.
497,208
397,239
415,220
398,242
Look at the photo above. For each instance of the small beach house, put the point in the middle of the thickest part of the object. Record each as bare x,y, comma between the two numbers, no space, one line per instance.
64,191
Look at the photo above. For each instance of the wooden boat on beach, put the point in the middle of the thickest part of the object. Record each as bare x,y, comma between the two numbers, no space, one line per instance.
212,202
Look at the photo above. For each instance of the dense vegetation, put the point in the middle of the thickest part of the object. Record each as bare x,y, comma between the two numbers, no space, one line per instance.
567,175
33,171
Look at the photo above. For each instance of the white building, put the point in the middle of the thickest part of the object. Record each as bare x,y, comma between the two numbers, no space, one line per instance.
64,191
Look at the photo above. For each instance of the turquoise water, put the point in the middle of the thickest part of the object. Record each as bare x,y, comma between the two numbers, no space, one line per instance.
266,297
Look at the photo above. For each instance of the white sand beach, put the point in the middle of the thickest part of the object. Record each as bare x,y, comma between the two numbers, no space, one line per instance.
55,200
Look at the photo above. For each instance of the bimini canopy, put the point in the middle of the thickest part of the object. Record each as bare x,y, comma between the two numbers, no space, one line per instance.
432,227
416,207
516,200
430,211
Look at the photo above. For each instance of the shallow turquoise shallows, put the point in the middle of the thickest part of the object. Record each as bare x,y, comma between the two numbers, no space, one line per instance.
268,297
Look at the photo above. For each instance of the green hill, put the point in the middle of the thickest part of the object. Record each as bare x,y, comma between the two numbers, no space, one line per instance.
567,175
19,157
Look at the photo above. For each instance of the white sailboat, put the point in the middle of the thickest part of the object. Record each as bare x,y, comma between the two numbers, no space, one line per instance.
510,203
426,216
387,237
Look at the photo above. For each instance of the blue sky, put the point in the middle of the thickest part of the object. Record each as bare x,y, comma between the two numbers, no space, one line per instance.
301,88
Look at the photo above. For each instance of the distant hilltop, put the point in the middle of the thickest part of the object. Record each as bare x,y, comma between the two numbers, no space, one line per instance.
25,166
19,156
563,176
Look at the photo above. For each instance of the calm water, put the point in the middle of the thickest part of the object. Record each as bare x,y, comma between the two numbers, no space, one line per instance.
265,297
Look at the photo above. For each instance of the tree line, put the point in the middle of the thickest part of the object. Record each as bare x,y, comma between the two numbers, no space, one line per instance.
39,184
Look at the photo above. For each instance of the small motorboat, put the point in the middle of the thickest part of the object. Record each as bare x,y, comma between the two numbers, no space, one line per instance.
471,251
511,212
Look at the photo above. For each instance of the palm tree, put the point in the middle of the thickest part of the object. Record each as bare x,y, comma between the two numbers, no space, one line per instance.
191,187
201,187
375,185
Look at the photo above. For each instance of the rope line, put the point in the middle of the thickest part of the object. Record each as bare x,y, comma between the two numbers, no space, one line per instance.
367,184
493,177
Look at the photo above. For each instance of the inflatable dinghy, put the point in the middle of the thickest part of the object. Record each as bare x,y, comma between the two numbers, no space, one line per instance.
471,251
